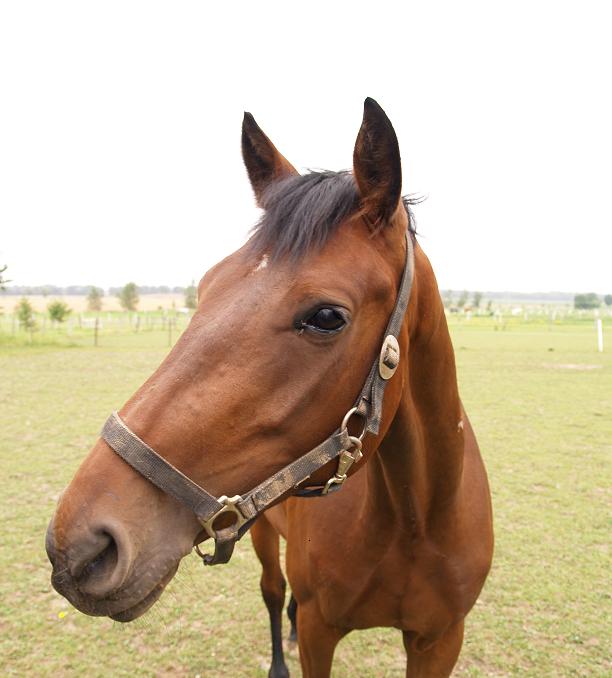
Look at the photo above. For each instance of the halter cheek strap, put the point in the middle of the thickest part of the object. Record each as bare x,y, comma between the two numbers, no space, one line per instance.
245,509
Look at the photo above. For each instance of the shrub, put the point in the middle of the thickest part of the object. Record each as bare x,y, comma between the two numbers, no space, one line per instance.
128,297
25,314
191,296
58,311
3,280
94,299
590,300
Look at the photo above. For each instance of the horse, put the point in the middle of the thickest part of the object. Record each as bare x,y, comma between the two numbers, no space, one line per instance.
388,520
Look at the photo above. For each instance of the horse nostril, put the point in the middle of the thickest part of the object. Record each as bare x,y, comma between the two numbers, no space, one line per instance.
92,560
103,563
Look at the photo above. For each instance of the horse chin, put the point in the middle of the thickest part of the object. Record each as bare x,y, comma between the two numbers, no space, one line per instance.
123,605
134,611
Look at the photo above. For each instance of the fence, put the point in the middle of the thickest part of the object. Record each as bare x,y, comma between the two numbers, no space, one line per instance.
161,328
110,328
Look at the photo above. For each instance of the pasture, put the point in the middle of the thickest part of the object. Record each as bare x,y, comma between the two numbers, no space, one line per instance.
540,398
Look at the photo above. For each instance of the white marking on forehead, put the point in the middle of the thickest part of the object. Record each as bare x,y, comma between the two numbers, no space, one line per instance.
262,264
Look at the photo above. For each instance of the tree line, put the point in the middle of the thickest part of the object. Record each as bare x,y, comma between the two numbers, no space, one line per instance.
70,290
59,311
591,300
465,299
128,296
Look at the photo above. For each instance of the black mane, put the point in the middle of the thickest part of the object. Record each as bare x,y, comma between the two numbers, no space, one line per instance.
303,211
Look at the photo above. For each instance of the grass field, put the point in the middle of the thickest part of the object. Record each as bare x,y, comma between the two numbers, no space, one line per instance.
540,398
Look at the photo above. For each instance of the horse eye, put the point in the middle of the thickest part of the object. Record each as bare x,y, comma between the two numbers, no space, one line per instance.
326,320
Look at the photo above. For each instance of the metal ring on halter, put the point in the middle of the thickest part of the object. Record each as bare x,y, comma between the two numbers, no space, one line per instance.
229,506
347,417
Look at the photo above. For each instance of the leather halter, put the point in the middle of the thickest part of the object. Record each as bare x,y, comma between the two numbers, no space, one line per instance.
247,507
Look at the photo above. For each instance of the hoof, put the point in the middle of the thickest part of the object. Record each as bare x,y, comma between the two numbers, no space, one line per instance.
278,671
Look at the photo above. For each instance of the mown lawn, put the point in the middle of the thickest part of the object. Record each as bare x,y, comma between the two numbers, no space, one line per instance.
540,398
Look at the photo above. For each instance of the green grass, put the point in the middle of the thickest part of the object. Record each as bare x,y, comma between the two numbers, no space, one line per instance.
540,398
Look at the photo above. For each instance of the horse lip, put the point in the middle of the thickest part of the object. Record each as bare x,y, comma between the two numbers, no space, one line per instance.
134,611
140,608
111,606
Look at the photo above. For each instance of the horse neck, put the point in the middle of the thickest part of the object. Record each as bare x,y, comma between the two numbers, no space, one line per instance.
419,464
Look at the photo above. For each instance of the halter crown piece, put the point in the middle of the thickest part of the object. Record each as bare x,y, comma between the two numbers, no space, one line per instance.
288,480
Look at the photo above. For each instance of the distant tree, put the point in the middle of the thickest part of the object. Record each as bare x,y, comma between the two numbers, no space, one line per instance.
58,311
25,314
191,296
477,298
447,298
128,297
463,299
3,280
590,300
608,300
94,299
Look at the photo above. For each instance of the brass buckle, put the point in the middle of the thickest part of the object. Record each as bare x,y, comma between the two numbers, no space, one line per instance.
345,462
229,506
346,459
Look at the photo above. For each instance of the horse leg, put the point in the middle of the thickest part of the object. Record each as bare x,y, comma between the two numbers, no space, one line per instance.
436,660
292,614
316,640
266,543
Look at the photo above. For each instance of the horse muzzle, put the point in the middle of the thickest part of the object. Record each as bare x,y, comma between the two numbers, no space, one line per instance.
98,573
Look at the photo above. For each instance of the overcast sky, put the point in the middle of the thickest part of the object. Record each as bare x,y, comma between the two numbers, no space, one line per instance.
120,131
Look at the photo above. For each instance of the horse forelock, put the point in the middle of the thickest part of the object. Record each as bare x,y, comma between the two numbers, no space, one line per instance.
302,212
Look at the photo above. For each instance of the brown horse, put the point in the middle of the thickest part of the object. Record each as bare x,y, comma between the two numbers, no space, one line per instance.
287,331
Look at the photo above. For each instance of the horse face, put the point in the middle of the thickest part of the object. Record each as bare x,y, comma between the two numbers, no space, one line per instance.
276,353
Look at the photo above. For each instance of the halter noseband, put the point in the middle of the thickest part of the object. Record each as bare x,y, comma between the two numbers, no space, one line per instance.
247,507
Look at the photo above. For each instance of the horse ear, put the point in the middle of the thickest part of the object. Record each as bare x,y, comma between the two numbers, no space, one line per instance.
377,165
263,162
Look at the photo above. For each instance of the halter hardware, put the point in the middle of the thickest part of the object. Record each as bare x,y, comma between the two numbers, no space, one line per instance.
229,506
289,480
345,461
389,357
346,458
347,417
226,537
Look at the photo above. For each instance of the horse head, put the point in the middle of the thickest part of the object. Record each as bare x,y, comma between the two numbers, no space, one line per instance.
283,338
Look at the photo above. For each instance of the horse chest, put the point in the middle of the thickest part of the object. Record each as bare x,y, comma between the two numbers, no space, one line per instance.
373,591
364,584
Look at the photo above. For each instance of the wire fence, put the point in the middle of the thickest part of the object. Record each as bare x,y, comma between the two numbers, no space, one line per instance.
106,328
161,328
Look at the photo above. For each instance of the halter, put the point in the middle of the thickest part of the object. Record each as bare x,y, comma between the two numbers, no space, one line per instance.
246,508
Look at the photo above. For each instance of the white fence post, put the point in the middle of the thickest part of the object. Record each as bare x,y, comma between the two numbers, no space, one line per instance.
599,326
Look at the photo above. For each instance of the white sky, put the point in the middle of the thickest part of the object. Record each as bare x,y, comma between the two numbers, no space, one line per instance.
120,131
